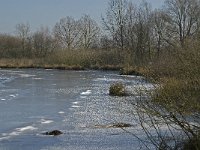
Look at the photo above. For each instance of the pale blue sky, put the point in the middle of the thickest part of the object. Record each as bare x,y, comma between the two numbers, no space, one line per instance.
48,12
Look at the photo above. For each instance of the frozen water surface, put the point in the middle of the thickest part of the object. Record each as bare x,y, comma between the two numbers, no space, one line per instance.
34,101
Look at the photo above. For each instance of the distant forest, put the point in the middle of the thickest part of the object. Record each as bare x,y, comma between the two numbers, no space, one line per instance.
131,34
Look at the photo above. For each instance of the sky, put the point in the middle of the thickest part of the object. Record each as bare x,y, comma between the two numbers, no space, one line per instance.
39,13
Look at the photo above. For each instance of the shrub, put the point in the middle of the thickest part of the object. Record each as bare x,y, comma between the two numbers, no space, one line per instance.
117,89
192,144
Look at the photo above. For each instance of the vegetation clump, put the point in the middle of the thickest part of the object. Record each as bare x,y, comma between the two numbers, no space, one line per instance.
176,99
121,125
192,144
115,125
117,89
54,133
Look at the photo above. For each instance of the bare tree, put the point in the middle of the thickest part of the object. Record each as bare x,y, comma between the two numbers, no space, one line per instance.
67,32
42,42
90,32
10,46
106,42
23,31
143,29
184,16
130,26
130,39
115,21
160,30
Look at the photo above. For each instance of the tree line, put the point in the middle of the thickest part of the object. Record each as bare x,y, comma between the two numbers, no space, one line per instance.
138,33
67,34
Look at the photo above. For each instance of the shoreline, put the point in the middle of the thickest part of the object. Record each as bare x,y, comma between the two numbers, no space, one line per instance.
45,64
61,67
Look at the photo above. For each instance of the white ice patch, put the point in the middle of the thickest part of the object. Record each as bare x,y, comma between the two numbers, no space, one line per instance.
14,133
12,95
75,103
88,92
17,132
61,112
82,125
83,97
5,79
65,120
4,138
75,106
37,78
43,121
26,75
31,128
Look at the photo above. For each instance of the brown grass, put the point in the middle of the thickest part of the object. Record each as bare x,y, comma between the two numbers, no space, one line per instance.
68,60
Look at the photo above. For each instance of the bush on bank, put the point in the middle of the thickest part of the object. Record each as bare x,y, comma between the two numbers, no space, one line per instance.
117,89
177,99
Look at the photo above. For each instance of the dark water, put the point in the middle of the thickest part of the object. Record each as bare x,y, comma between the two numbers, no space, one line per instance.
33,101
